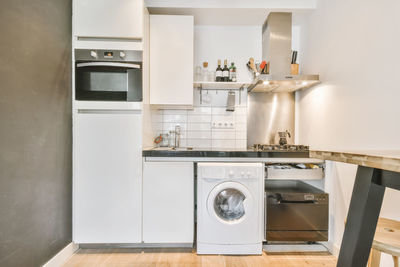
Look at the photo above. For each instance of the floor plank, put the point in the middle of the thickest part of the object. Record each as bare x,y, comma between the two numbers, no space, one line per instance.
188,258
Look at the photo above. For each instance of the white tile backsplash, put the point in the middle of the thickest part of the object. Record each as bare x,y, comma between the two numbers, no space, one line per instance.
196,124
175,118
183,142
223,144
242,144
157,127
200,126
229,135
241,119
223,118
170,126
200,111
174,112
156,118
241,135
199,118
241,127
221,111
199,134
199,143
241,110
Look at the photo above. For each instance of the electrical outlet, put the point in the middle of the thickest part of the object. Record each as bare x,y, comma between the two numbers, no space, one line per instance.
223,125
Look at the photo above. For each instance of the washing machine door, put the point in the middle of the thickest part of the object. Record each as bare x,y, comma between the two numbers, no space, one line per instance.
232,215
230,203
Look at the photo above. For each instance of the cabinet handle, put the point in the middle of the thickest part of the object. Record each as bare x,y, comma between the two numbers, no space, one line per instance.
108,111
108,64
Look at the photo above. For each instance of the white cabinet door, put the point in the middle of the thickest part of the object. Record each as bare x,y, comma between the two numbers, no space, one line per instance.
168,202
108,18
171,60
107,177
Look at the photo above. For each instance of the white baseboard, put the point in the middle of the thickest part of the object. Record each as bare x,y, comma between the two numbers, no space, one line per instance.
62,256
333,248
136,245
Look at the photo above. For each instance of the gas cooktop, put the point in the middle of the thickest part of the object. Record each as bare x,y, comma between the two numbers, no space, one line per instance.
264,147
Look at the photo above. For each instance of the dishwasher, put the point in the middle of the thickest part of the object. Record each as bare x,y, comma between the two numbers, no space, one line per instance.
295,211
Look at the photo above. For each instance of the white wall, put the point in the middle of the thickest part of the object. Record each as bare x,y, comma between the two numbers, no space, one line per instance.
353,45
270,4
234,43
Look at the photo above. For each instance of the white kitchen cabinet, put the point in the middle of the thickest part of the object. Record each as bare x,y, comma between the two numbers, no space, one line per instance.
107,185
171,60
119,19
168,202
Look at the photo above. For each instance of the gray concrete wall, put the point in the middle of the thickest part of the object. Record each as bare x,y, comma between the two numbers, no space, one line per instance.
35,130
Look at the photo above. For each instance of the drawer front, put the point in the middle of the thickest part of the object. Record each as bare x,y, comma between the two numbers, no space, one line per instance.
297,236
297,217
295,174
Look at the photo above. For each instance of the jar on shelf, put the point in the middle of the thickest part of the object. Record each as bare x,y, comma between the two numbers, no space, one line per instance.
204,72
198,74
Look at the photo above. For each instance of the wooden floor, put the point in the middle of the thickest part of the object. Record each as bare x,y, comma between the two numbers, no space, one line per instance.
174,257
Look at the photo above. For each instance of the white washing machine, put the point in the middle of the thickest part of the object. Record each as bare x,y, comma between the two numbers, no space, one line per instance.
230,208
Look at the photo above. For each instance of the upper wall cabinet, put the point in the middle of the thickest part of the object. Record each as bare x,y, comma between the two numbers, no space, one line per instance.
117,19
171,61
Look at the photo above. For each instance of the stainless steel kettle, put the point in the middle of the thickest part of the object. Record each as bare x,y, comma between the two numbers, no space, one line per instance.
282,137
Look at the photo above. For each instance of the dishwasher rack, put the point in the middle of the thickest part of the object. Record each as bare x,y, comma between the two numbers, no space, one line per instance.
295,171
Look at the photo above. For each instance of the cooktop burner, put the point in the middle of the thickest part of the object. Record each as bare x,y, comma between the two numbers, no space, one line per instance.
299,148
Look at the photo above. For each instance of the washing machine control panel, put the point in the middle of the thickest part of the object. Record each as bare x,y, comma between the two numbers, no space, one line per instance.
225,171
241,173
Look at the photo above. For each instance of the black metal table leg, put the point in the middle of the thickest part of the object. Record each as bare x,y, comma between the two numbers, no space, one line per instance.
365,205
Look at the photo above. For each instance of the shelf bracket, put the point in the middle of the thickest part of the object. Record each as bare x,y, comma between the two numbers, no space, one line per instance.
201,94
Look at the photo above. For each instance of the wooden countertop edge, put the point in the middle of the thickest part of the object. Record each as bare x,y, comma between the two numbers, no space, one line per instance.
390,163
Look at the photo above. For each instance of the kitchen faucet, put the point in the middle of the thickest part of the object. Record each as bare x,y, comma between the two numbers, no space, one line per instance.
177,140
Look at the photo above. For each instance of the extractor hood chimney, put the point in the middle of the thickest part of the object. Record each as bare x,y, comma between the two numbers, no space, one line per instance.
277,49
277,42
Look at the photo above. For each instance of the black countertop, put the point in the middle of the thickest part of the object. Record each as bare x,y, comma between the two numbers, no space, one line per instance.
210,153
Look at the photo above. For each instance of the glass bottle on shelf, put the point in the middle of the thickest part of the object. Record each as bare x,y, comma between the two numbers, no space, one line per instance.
232,73
225,72
218,72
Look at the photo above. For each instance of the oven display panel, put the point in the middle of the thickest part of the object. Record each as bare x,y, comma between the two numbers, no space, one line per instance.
108,54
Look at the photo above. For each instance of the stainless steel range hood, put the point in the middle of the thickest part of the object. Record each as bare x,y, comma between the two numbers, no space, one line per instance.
277,49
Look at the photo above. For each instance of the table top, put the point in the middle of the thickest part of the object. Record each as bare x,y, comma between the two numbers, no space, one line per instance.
380,159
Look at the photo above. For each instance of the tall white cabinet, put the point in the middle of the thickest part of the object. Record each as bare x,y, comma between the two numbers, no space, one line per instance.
171,60
168,202
107,176
118,19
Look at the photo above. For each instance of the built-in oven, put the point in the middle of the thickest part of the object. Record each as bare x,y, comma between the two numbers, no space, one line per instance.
295,211
108,75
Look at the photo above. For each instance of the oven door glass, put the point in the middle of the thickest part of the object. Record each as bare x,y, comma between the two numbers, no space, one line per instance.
108,81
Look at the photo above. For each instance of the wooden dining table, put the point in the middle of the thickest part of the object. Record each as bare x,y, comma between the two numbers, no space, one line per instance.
376,171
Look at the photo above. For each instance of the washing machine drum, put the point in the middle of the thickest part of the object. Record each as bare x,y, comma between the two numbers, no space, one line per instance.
228,204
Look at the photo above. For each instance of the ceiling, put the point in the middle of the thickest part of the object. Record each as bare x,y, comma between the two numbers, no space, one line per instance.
213,16
228,12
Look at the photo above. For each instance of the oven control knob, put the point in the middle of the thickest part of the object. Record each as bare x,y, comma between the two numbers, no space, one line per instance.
248,174
122,54
242,174
231,173
93,54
